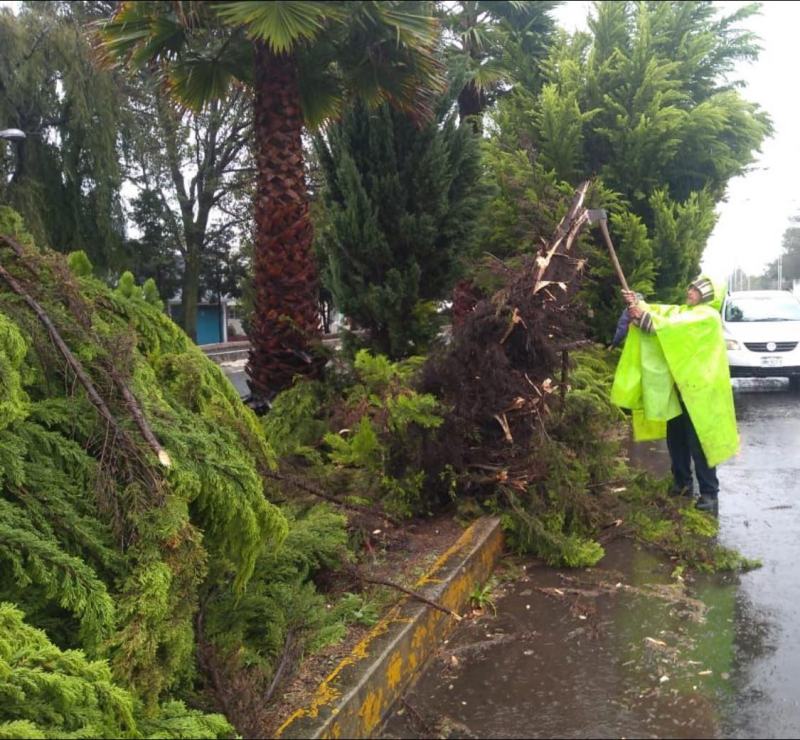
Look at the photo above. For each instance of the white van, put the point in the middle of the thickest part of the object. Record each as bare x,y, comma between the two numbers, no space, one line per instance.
762,334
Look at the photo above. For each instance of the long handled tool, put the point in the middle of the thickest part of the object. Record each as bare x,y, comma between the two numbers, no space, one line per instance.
599,217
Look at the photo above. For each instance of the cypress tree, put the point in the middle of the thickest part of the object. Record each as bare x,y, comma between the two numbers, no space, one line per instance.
135,571
400,201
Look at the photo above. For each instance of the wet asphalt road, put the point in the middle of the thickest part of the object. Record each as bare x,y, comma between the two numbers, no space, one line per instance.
636,659
237,376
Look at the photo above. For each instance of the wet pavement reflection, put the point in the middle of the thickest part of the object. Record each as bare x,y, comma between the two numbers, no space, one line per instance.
628,650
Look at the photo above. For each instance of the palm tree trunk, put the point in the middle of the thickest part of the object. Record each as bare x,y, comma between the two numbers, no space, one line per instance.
285,324
471,104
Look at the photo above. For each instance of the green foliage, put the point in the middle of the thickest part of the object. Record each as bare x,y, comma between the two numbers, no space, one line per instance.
383,448
48,692
106,550
641,103
127,285
400,204
65,177
365,433
281,598
326,40
292,426
544,535
491,46
525,200
361,449
481,597
150,293
354,608
79,263
676,526
557,518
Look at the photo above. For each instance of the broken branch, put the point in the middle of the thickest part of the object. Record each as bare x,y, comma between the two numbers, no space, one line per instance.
413,594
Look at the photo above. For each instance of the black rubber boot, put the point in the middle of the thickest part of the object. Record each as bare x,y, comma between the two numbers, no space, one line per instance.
708,503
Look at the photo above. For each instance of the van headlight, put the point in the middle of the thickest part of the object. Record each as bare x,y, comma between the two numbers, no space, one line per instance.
732,344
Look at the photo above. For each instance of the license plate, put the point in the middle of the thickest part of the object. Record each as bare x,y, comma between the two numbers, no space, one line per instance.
771,361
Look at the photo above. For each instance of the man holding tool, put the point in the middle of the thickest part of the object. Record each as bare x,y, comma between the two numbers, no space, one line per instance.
701,429
673,375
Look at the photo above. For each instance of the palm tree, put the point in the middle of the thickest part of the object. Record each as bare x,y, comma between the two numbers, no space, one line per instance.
305,60
493,44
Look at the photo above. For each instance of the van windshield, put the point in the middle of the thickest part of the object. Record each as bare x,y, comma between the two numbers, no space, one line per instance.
762,308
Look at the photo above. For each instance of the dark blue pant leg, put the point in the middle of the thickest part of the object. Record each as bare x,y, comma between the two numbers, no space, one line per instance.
706,476
679,451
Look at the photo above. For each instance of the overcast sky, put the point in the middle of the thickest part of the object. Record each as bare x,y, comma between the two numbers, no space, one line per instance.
760,203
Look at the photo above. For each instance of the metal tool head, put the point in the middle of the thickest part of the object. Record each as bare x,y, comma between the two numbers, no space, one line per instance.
596,215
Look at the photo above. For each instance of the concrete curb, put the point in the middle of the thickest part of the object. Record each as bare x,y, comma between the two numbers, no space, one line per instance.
356,697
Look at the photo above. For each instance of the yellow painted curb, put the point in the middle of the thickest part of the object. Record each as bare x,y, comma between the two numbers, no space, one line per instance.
358,694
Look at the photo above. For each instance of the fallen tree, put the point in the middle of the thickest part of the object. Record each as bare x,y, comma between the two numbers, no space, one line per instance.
132,500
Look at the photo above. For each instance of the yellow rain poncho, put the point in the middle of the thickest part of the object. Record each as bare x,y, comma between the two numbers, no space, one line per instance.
686,351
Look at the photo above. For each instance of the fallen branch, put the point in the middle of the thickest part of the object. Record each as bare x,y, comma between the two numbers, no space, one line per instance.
287,654
317,491
19,250
413,594
139,418
77,368
572,224
72,361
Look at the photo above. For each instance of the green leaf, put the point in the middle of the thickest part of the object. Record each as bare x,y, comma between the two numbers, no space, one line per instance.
280,24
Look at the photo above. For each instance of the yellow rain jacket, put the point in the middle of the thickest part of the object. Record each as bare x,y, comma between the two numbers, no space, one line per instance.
686,351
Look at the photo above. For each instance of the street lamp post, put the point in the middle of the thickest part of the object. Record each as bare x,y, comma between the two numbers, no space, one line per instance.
12,134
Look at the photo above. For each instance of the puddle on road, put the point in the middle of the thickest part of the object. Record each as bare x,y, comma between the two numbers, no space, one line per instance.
621,650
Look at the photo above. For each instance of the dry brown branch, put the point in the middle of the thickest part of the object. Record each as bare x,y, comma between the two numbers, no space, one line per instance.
573,225
19,250
139,418
413,594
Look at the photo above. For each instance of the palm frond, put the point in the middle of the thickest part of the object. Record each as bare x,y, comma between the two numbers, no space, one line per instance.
280,24
388,53
201,78
142,32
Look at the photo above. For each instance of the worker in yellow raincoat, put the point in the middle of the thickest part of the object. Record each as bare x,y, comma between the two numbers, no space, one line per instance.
673,375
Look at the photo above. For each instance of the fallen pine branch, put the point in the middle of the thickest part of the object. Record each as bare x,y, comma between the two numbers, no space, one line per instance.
413,594
319,493
77,368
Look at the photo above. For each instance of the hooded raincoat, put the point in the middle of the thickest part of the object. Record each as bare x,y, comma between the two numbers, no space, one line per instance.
686,353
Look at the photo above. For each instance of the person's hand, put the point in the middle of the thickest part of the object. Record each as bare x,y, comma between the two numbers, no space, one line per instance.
635,312
629,296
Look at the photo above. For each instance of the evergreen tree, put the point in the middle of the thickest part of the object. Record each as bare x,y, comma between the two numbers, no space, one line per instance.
402,203
152,254
168,576
643,103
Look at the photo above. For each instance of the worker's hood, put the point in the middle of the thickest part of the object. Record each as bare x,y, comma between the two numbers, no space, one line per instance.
715,301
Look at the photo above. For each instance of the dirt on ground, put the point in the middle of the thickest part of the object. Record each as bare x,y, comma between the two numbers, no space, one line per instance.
401,555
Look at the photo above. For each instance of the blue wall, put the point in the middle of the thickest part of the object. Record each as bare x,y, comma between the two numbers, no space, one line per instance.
208,325
209,330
